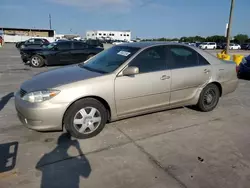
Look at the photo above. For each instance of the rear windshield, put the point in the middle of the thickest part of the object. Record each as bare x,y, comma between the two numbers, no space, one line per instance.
109,60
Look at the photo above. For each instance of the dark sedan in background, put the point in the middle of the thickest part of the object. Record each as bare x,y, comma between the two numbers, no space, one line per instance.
32,43
59,53
244,68
245,46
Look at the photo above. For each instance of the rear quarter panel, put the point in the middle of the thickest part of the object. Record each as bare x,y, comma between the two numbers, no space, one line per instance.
225,73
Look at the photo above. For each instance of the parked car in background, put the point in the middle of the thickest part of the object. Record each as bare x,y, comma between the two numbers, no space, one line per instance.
123,81
233,46
197,44
244,68
94,43
1,40
32,43
117,42
208,46
245,46
221,45
59,53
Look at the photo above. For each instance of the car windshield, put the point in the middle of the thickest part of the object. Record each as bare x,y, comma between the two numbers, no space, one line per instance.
109,60
204,43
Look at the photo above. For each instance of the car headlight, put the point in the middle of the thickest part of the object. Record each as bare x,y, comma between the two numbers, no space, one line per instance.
40,96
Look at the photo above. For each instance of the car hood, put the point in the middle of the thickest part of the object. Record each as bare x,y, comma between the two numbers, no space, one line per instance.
58,77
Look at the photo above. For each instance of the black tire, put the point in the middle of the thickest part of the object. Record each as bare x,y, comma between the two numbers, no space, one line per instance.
39,61
210,92
73,111
239,75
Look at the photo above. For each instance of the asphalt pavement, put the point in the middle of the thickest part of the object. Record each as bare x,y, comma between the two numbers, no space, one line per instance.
180,148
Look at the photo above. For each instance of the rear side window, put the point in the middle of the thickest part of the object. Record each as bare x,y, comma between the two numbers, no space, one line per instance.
38,41
182,57
79,45
202,60
64,45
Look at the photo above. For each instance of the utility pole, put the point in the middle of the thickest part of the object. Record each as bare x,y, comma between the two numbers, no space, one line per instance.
50,21
229,26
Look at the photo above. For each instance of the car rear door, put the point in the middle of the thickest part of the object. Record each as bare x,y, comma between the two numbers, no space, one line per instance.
79,52
63,53
148,90
189,72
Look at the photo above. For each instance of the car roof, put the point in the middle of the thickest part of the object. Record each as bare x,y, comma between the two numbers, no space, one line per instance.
147,44
209,57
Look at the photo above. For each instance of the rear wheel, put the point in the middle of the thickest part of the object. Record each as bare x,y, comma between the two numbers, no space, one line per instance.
209,98
37,61
85,118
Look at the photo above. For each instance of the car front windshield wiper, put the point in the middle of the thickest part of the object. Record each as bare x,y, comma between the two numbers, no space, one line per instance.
91,69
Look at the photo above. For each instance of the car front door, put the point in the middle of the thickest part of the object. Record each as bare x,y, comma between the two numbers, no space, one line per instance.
148,90
189,72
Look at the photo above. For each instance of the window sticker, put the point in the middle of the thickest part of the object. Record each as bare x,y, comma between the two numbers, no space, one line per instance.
124,53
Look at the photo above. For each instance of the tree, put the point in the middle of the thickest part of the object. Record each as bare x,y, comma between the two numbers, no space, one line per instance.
216,38
241,38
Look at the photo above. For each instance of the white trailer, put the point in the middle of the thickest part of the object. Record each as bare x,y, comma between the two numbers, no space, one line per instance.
107,35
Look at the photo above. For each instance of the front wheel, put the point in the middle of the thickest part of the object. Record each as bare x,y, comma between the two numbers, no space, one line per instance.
37,61
86,118
209,98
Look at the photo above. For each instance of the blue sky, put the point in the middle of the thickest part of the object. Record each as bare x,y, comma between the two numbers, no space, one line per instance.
145,18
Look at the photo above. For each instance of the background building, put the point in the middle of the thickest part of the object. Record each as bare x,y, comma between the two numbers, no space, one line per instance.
22,34
107,35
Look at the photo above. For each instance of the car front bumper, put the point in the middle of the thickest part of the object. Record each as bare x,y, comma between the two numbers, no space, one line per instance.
43,116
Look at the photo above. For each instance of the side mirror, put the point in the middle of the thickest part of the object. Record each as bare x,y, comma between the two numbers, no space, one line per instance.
129,71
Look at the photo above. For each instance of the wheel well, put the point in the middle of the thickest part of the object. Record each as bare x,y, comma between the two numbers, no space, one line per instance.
104,102
219,86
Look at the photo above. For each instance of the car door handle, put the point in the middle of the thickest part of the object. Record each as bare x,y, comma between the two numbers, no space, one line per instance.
206,71
165,77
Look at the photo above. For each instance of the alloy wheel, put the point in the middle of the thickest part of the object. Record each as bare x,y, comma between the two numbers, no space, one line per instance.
35,61
87,120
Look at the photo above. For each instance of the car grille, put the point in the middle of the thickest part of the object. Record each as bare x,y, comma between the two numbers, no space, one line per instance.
22,92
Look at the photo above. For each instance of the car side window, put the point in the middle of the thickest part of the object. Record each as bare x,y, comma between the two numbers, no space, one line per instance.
30,41
64,45
79,45
182,57
202,60
151,60
37,41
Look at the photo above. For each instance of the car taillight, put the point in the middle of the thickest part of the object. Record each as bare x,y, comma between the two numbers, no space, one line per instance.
237,68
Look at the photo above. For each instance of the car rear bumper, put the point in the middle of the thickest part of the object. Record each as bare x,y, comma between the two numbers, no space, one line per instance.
25,57
43,116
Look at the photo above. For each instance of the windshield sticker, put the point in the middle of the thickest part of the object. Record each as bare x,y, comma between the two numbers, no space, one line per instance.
124,53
